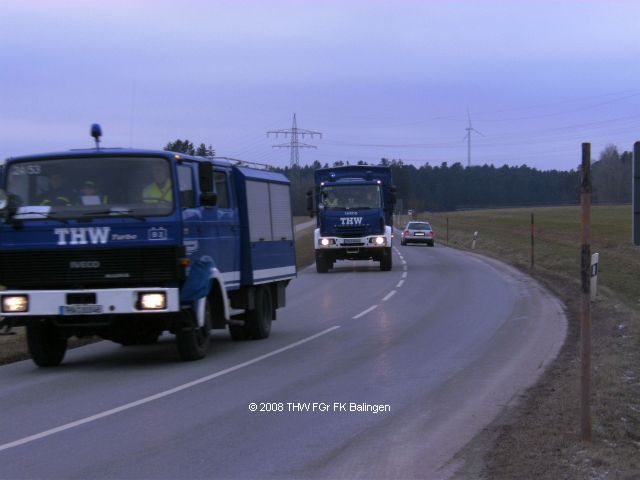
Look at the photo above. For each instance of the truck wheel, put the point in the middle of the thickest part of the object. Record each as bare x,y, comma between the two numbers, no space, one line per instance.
193,342
258,322
46,346
322,265
385,260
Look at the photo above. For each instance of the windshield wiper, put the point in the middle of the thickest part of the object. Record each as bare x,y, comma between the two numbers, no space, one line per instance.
125,212
20,216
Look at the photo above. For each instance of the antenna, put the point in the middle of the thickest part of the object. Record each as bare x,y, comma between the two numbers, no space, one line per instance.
294,145
469,130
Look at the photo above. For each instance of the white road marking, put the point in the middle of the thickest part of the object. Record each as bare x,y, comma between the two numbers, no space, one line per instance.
399,283
160,395
361,314
389,295
404,275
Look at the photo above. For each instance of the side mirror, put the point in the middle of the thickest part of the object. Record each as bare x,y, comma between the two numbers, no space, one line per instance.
205,177
310,203
4,199
208,199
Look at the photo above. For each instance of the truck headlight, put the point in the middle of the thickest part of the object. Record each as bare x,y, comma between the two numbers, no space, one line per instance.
325,242
15,303
379,241
152,301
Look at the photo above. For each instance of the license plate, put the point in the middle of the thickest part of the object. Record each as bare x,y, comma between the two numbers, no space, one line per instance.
419,234
80,309
351,240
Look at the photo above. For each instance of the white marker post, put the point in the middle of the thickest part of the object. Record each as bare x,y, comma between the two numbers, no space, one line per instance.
595,265
475,237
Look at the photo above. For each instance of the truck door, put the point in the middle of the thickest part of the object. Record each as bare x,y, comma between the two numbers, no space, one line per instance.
211,231
227,224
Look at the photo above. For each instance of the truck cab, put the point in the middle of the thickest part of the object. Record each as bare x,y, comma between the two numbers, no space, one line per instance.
126,244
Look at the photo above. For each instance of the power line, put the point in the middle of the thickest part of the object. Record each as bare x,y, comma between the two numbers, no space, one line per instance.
294,144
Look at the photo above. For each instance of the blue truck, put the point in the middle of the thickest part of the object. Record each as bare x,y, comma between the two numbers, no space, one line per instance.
354,208
125,244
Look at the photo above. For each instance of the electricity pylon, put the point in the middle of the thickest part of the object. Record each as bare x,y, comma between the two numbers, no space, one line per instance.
294,144
470,129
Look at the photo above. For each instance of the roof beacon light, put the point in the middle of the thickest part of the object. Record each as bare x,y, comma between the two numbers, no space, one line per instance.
96,133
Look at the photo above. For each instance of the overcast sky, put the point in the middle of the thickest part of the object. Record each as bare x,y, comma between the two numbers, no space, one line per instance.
394,79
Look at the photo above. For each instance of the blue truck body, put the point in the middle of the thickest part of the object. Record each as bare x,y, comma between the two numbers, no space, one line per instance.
218,251
354,207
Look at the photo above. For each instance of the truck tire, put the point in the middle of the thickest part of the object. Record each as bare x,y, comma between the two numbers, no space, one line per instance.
46,346
385,260
322,265
258,321
193,342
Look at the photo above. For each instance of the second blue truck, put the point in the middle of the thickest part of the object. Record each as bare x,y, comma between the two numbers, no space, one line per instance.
354,207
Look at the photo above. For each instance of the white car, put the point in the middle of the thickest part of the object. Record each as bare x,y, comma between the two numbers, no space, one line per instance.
418,232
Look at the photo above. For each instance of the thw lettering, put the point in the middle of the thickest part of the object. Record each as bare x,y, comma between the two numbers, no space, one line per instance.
351,220
82,236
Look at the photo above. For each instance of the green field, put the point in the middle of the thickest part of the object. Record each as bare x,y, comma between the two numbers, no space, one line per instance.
506,235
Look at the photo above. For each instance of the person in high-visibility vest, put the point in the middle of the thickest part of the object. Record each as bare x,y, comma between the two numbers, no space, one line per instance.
56,196
161,189
90,194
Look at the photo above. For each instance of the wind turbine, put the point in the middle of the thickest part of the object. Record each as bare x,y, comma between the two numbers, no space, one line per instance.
469,130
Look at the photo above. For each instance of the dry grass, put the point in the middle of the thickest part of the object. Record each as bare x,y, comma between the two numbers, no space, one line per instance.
539,437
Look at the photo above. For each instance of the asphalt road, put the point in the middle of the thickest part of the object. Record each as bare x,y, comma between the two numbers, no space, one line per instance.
367,374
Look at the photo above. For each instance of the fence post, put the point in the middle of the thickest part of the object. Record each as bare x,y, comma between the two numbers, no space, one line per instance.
585,311
447,230
532,240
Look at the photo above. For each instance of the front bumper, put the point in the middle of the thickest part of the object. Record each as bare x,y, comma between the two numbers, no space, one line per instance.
352,244
107,302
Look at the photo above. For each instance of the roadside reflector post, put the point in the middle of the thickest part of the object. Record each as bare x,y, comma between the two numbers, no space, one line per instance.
475,237
585,311
595,266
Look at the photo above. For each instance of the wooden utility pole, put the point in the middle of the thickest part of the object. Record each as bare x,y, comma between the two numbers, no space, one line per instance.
635,193
585,311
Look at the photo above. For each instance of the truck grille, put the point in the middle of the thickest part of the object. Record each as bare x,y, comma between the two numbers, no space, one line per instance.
90,268
353,231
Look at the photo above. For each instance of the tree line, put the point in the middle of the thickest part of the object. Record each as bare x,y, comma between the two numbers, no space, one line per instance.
450,187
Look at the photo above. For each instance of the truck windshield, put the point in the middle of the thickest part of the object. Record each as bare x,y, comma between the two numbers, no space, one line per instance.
349,197
92,186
